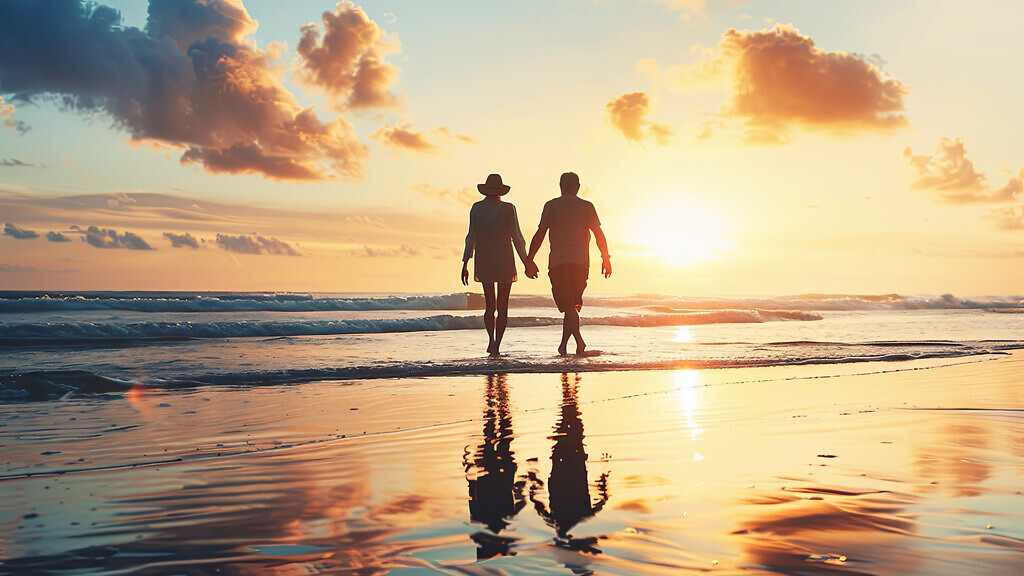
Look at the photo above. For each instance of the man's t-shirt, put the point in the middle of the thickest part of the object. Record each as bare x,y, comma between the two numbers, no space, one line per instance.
569,220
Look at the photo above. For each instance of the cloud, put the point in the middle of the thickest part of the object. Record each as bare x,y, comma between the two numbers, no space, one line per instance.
188,81
19,234
7,115
1008,218
687,8
628,113
186,23
403,251
463,196
951,175
255,244
185,240
151,215
57,237
779,80
16,162
403,137
104,238
19,269
347,61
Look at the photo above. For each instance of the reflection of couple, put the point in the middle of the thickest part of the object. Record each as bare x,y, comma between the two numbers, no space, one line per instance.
496,491
494,230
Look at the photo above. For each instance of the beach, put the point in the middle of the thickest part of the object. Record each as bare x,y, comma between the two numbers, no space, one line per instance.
863,468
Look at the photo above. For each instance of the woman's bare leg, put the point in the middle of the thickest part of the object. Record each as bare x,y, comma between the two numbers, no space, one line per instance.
504,289
489,306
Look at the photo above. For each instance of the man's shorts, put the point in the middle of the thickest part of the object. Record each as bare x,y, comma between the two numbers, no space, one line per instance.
567,284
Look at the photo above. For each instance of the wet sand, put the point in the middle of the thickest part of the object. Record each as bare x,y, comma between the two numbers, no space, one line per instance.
876,468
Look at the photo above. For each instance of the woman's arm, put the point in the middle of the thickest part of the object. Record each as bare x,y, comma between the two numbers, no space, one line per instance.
520,243
517,237
470,246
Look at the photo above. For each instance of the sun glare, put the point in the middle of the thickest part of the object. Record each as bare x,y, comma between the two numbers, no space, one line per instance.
682,232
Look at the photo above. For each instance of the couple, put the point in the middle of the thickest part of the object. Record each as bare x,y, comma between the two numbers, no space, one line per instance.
494,230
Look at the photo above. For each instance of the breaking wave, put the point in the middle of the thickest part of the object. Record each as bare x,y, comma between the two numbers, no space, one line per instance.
15,302
26,334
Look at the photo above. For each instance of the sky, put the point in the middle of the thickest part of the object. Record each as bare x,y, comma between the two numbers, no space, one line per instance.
730,147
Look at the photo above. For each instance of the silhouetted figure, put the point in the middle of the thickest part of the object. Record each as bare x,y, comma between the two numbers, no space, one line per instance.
495,494
570,219
569,500
493,231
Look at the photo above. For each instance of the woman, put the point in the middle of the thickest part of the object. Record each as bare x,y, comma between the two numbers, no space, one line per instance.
493,231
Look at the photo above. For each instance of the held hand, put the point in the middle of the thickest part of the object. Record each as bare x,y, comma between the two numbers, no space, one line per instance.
465,275
606,266
531,269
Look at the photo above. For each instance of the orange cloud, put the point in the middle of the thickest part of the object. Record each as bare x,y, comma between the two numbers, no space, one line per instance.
779,80
7,115
187,23
189,81
403,137
782,79
403,251
463,196
1009,218
347,62
951,174
628,114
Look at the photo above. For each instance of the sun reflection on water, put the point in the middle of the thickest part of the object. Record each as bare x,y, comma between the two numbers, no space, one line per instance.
687,383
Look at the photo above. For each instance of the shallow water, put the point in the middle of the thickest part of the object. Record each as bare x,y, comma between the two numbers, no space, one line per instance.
905,468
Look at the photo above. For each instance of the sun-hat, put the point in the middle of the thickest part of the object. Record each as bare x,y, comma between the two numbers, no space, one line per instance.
493,186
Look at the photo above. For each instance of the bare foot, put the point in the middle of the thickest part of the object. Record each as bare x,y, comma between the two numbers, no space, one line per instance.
492,349
562,351
581,348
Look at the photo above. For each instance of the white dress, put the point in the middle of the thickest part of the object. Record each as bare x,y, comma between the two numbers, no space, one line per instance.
493,231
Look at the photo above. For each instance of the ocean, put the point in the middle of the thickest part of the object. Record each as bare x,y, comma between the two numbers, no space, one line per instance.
54,344
272,433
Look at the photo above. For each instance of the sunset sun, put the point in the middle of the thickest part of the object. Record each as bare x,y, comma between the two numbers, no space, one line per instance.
682,232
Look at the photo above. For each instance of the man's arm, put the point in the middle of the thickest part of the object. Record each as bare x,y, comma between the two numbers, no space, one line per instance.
538,238
602,245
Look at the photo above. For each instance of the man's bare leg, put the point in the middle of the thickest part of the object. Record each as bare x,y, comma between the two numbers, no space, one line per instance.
571,327
581,346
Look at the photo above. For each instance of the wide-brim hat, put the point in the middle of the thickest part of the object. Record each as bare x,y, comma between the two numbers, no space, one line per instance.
493,186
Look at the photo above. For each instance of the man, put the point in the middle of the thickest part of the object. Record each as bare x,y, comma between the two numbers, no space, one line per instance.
570,219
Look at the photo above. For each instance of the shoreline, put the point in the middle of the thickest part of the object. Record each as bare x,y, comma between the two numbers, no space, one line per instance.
792,469
35,386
